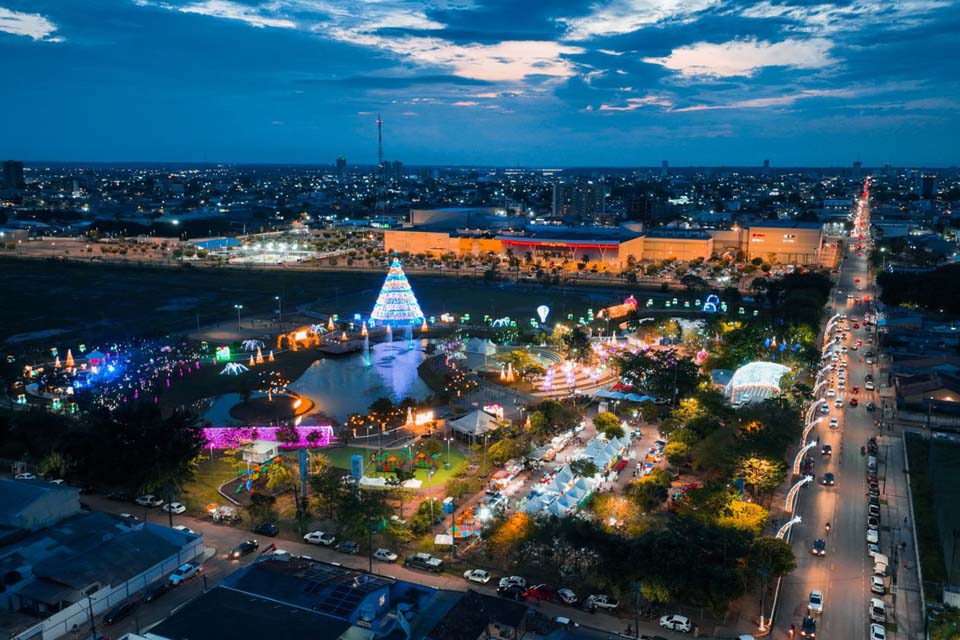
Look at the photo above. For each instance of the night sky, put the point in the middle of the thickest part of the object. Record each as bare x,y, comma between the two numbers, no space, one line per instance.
482,82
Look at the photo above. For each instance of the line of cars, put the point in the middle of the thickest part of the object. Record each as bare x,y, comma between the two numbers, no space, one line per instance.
876,607
155,590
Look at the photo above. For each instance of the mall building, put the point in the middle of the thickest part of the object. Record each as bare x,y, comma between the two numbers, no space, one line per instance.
614,248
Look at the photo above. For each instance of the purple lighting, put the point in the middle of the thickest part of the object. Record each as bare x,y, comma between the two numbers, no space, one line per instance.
229,437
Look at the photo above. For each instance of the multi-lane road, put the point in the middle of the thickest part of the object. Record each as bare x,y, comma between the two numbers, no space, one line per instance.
844,573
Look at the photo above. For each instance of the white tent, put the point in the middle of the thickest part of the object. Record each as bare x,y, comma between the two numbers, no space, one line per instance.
483,347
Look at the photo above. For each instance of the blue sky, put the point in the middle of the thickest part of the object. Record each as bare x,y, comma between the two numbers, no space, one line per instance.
504,82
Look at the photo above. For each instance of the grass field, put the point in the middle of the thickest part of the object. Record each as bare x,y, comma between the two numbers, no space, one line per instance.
340,457
50,302
935,488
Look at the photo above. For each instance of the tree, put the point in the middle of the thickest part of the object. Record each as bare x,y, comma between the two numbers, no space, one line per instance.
506,449
326,485
761,474
287,434
509,535
677,453
54,464
769,558
577,344
401,476
522,362
646,495
261,507
584,467
539,423
649,411
280,478
432,447
357,512
608,424
747,516
654,591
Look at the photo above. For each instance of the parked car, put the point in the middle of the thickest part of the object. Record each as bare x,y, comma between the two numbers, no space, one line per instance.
517,580
121,611
477,575
149,500
175,508
878,611
244,548
601,601
25,476
877,586
511,591
878,632
819,547
815,603
184,572
319,537
542,592
385,555
424,562
676,623
156,589
119,496
183,529
269,529
873,536
349,547
567,596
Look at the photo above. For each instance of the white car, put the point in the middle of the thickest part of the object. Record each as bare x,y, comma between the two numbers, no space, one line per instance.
149,500
878,632
175,508
385,555
876,585
185,572
184,529
319,537
873,536
25,476
838,403
676,623
507,581
834,423
831,392
567,596
815,603
477,575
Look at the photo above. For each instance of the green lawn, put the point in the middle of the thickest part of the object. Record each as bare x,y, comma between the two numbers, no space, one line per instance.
340,457
202,490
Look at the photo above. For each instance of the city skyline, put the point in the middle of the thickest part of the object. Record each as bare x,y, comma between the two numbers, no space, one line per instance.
616,84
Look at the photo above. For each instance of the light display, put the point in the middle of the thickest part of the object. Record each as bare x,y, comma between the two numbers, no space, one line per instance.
230,437
755,381
396,304
223,354
543,311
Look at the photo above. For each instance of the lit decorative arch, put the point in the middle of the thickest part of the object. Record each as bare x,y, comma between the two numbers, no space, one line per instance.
761,376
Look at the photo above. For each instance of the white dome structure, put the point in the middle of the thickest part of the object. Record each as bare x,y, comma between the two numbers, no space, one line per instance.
755,382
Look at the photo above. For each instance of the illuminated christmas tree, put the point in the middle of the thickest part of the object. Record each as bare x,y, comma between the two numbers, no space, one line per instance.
396,306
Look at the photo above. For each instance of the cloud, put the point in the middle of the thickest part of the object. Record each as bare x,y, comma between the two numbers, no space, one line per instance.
772,101
465,103
501,62
236,11
633,104
626,16
31,25
828,18
745,57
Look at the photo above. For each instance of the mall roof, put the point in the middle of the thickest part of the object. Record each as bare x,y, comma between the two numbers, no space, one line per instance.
785,224
17,495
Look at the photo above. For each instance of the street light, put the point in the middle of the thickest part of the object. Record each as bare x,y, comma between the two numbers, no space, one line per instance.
238,307
279,308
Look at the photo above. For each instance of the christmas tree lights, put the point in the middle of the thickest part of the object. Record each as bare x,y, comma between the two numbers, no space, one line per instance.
396,306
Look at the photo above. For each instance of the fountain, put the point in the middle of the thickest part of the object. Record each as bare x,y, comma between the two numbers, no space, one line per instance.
408,334
389,334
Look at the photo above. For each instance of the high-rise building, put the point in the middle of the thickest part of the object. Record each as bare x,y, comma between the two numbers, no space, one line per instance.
341,166
584,200
664,168
13,174
766,167
857,170
928,187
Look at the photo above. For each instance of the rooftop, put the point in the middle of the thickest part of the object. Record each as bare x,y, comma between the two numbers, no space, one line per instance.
226,613
469,618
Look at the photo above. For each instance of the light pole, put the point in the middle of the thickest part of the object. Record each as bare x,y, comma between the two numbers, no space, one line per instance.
279,308
238,307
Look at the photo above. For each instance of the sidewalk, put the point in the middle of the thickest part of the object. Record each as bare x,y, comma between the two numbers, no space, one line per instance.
905,584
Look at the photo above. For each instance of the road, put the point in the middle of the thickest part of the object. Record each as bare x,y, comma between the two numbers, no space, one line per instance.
220,539
844,574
